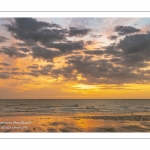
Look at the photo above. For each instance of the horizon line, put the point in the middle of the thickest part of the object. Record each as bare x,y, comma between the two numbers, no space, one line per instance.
75,99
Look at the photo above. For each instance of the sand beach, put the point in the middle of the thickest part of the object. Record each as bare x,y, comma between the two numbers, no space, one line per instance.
76,123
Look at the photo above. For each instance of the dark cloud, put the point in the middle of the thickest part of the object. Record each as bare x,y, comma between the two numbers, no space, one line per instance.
34,71
3,39
44,53
78,32
132,51
138,43
51,37
14,69
31,29
15,73
84,66
5,64
4,75
89,42
45,70
94,52
66,72
147,71
118,63
115,60
113,37
112,50
34,66
101,71
124,30
20,44
133,60
89,67
12,52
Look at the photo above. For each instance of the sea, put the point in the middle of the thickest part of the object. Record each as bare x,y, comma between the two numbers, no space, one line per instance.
14,107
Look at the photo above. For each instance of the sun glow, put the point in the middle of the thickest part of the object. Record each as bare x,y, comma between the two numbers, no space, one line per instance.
85,86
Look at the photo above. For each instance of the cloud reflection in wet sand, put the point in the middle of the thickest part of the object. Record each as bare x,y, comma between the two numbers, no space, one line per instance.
70,124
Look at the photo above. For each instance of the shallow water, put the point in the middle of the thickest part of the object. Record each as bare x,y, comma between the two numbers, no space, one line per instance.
74,115
58,107
69,124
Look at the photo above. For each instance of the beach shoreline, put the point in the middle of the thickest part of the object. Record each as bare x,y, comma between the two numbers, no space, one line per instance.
136,122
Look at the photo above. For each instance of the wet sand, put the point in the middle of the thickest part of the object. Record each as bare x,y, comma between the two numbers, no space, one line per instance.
77,123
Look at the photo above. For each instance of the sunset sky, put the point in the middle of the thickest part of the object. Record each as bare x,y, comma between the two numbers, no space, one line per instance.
99,58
